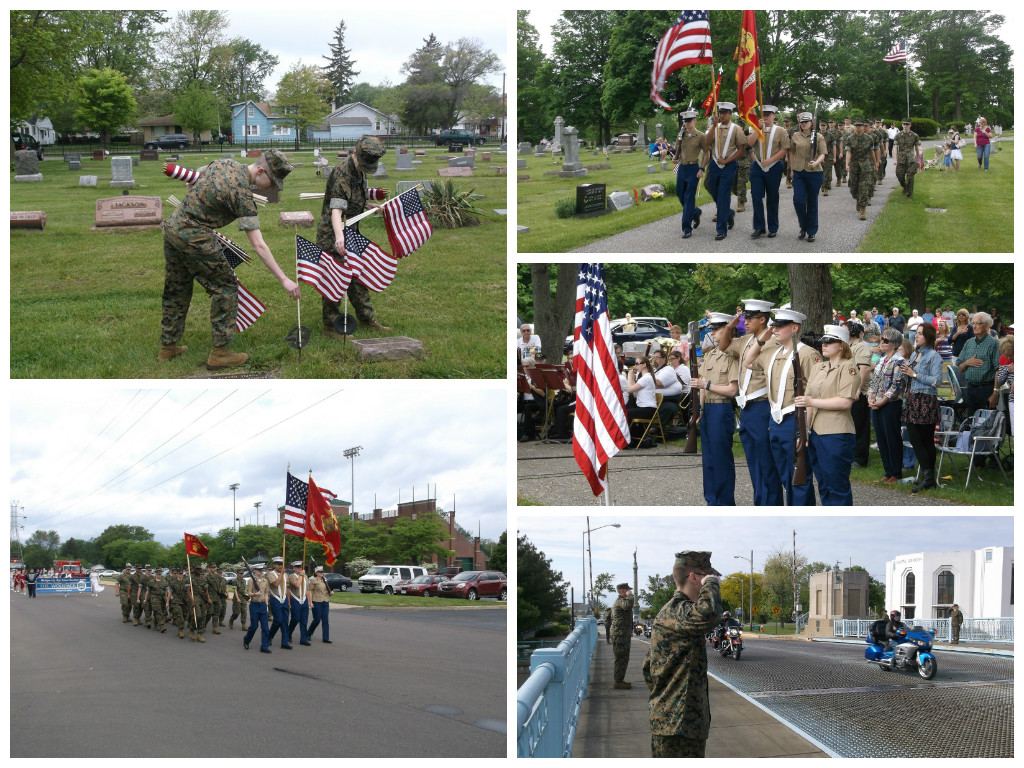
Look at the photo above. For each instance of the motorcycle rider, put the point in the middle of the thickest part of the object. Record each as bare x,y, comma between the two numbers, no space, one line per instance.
892,628
724,623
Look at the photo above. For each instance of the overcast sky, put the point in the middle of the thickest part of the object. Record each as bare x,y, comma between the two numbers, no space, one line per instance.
88,455
864,540
380,37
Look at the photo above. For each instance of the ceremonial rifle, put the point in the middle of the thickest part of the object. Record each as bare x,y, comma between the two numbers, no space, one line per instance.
800,473
691,428
814,135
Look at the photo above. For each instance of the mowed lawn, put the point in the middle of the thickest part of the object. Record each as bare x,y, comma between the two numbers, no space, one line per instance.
87,304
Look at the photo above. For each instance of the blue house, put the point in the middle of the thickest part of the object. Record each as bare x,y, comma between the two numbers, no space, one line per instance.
263,122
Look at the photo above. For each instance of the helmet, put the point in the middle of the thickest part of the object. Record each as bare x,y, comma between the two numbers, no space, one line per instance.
894,615
726,615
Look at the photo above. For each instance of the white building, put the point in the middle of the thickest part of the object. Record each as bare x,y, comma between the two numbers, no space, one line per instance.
924,585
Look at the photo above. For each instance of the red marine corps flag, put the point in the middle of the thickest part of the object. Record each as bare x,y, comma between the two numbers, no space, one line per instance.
321,524
195,547
747,72
709,103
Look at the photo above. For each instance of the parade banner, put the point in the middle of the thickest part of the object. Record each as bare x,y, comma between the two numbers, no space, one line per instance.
63,586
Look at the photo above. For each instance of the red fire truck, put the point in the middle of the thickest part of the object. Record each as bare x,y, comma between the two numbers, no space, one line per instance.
71,569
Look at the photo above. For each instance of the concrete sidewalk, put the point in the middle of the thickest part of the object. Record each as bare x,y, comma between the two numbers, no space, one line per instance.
615,723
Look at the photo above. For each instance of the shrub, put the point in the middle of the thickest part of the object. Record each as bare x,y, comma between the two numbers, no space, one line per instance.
922,126
565,208
670,188
553,630
450,207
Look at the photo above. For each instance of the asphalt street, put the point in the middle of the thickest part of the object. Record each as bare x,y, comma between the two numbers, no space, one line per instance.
840,228
548,473
393,683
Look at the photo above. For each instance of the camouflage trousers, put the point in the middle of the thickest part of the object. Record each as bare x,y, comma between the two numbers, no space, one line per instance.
156,607
185,263
136,609
620,647
177,616
740,183
841,167
862,179
676,746
126,605
905,173
240,609
827,168
358,298
956,635
881,167
213,612
197,620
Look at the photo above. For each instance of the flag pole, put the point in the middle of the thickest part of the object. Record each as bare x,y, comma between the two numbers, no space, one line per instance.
380,207
298,301
906,66
191,589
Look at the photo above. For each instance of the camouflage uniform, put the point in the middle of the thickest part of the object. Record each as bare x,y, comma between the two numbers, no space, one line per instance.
124,591
346,191
239,603
197,620
622,634
844,137
179,602
608,625
956,620
136,582
218,591
193,253
790,130
676,670
883,140
907,144
157,601
739,184
862,167
831,144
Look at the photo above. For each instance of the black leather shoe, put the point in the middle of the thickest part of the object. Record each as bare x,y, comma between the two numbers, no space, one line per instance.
302,643
286,647
264,650
327,641
246,645
732,220
810,238
803,233
686,235
719,237
772,234
696,219
756,234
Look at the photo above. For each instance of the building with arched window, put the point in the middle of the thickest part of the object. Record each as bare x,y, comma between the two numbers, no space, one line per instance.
924,585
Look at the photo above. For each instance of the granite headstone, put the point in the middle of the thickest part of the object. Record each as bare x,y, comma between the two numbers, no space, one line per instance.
121,173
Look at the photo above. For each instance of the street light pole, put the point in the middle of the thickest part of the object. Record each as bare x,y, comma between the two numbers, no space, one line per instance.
258,504
751,558
589,551
234,511
351,453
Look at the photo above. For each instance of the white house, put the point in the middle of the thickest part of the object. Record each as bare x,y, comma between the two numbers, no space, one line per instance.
39,128
925,584
353,120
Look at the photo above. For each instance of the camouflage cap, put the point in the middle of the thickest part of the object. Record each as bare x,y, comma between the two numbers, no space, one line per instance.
623,585
699,561
369,150
277,166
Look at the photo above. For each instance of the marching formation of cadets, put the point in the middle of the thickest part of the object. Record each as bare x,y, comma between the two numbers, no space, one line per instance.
729,154
196,604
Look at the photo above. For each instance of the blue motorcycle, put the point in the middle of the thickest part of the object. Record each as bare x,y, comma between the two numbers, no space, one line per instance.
914,651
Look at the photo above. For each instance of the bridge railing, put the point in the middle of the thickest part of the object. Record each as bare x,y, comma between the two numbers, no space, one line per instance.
548,703
994,630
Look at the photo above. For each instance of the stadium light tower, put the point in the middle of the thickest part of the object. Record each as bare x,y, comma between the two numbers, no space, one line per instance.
351,453
234,512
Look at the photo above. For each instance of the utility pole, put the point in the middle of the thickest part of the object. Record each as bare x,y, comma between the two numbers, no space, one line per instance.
351,453
234,509
258,504
16,527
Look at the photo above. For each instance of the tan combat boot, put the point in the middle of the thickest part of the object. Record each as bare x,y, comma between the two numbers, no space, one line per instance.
181,634
863,214
741,207
215,630
137,622
824,192
222,357
622,685
191,634
373,324
231,623
170,351
124,619
202,639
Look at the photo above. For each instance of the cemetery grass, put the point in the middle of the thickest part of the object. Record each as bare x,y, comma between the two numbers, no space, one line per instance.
87,304
978,215
536,198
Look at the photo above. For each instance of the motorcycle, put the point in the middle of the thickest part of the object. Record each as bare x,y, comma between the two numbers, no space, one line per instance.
647,630
728,641
638,629
914,651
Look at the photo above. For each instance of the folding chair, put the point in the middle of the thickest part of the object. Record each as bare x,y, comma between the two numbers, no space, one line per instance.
905,436
974,445
654,419
957,402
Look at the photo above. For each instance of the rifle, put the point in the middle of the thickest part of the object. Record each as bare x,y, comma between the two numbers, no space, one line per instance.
800,473
814,135
248,569
691,428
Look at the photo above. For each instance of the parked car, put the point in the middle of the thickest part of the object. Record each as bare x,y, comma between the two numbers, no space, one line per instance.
644,329
230,576
24,141
109,574
338,582
473,585
384,578
421,586
458,137
169,141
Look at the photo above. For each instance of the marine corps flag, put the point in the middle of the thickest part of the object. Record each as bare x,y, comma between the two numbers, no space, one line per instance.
321,524
747,72
195,547
712,99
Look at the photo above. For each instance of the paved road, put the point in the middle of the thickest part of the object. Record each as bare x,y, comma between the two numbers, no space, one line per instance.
394,683
548,473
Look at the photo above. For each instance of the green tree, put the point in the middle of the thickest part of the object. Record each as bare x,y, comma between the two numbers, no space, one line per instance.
778,580
106,103
144,552
659,591
464,63
358,566
389,99
47,542
527,614
37,557
72,549
339,69
302,93
602,585
553,315
195,109
125,41
582,45
424,87
532,96
542,587
45,46
499,555
189,48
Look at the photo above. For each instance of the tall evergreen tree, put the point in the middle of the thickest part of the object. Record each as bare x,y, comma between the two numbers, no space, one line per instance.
339,69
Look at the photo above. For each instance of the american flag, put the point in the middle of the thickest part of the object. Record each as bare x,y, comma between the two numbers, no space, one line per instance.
319,269
687,42
407,223
180,172
364,259
898,52
249,307
295,498
602,428
376,193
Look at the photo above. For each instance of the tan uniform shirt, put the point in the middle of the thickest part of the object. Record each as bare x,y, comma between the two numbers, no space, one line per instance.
833,380
775,138
258,590
753,383
800,151
720,369
862,356
318,590
777,364
722,145
689,146
298,586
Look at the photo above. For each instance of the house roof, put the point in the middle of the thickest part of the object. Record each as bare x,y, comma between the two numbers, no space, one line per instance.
345,108
162,120
266,107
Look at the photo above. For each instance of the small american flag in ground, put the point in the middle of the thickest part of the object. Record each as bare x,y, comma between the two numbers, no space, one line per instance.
371,264
687,42
318,268
898,53
249,307
296,497
407,224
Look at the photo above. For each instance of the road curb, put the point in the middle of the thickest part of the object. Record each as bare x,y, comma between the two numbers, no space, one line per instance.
944,648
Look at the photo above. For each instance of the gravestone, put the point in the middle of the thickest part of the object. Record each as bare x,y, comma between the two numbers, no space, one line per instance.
501,169
26,166
74,165
590,200
647,193
520,162
664,165
461,162
135,162
501,211
625,142
525,148
458,171
73,156
99,154
404,163
421,153
454,147
485,156
381,172
121,173
149,154
392,348
469,152
521,230
28,219
556,142
642,134
571,165
302,219
227,155
254,153
650,169
522,177
658,128
404,186
403,150
503,148
620,200
127,211
87,181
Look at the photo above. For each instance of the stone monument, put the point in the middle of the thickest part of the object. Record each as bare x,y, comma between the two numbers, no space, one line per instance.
114,212
658,128
571,165
26,166
404,162
556,143
642,134
121,172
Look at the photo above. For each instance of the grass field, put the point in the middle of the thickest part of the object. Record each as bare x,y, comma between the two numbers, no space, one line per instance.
87,304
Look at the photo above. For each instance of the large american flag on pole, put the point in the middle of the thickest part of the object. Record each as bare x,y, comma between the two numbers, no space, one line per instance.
602,428
406,222
296,497
898,52
249,307
318,268
687,42
372,265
